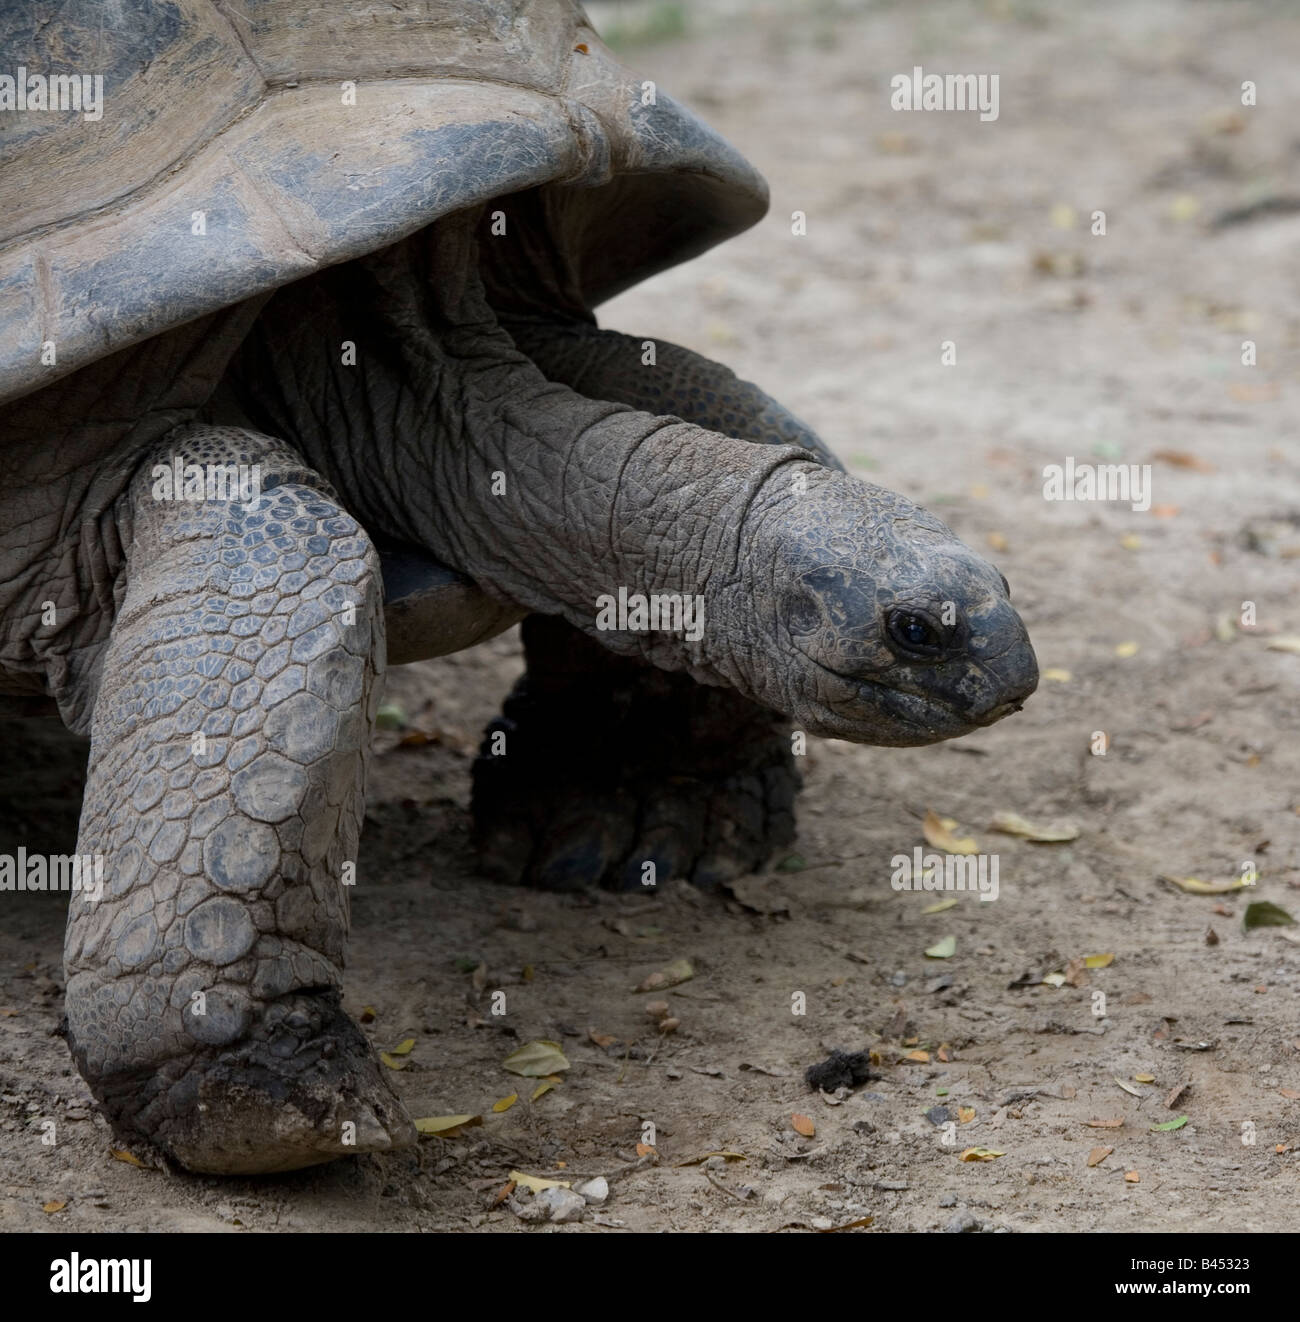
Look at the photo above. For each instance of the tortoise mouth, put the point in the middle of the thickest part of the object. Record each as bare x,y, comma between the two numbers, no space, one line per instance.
907,715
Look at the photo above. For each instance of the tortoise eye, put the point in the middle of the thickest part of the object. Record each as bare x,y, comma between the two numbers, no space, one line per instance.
913,632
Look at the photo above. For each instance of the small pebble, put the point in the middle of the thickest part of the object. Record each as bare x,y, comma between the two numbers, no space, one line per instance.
594,1191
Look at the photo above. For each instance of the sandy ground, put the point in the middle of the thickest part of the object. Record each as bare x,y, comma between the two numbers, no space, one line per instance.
921,228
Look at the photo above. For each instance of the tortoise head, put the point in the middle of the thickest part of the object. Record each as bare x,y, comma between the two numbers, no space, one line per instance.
892,630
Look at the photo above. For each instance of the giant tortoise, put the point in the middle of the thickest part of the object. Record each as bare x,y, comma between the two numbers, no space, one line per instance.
300,374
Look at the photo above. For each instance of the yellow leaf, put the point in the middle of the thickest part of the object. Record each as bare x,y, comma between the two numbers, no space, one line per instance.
1056,673
1063,216
1054,980
1184,207
918,1057
965,1114
1288,642
536,1060
941,837
393,1062
944,949
1010,823
697,1161
447,1126
679,970
505,1103
121,1154
1130,541
997,541
1127,649
53,1207
538,1182
803,1125
541,1090
403,1048
1144,1078
1194,886
981,1154
1098,961
949,903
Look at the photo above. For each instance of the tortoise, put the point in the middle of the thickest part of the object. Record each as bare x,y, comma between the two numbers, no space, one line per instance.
300,375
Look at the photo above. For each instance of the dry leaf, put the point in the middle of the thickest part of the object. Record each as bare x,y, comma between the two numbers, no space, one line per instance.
1285,643
965,1114
938,833
446,1126
1057,674
1130,541
121,1154
679,970
1010,823
1195,886
848,1225
1126,650
1132,1177
1130,1089
53,1207
644,1149
941,906
1144,1078
1098,1155
1098,961
997,541
505,1103
803,1125
1181,459
539,1182
536,1060
602,1039
981,1154
1114,1122
944,949
542,1089
703,1157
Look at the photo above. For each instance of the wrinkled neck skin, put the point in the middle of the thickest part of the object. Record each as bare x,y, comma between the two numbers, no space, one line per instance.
440,410
442,436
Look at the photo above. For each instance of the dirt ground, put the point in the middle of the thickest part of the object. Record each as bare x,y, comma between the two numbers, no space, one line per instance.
921,228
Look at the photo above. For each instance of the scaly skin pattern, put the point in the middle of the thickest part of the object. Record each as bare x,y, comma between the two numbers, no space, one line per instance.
612,765
599,765
225,795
